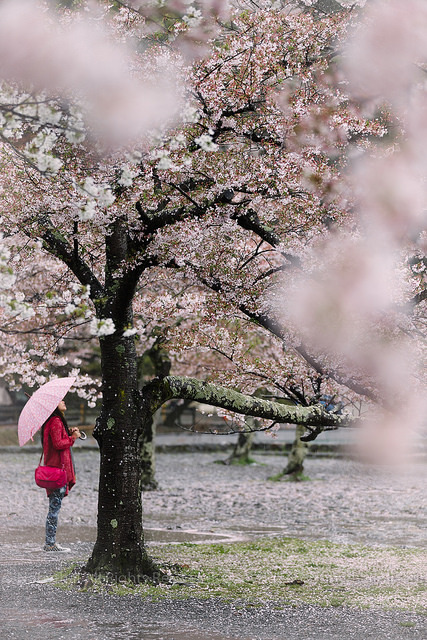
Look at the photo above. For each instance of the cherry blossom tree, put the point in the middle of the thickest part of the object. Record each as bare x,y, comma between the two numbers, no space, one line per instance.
116,224
193,223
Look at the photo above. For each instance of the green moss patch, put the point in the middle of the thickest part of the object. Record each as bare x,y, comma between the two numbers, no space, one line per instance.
285,571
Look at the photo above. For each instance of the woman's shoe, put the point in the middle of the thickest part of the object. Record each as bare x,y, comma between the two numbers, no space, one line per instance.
56,547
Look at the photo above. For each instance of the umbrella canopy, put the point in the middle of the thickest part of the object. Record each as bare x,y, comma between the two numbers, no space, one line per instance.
39,407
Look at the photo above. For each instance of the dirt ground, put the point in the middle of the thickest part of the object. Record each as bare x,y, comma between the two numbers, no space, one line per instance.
200,500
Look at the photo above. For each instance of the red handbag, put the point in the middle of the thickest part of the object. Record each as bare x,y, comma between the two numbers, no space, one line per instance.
50,477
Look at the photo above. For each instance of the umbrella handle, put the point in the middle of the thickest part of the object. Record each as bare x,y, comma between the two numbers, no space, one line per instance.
82,435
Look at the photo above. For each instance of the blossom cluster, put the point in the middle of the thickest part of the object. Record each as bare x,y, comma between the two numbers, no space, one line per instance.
7,277
102,327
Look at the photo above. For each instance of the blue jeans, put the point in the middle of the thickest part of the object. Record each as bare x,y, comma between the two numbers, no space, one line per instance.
55,501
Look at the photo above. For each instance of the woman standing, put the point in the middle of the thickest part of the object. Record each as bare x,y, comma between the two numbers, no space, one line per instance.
57,439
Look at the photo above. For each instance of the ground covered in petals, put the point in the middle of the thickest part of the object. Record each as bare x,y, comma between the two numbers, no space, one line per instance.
284,571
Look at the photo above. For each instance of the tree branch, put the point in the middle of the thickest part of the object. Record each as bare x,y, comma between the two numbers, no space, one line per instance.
56,245
314,417
271,325
417,299
153,221
250,221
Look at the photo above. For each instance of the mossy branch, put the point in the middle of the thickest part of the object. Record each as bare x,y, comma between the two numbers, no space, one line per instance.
314,418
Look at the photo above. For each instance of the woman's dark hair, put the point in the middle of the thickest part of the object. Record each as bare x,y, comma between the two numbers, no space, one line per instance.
59,415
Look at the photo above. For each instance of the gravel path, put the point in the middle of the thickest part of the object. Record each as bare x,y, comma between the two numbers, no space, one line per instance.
198,499
344,501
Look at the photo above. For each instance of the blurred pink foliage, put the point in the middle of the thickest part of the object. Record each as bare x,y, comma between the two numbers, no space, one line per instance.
91,55
351,302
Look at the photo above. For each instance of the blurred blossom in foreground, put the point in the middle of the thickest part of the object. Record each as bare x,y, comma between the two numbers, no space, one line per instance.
81,58
384,54
352,303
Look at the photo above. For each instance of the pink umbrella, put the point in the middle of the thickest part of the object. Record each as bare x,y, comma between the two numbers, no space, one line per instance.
40,405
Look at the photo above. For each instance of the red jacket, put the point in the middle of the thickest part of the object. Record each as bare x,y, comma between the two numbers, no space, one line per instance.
55,440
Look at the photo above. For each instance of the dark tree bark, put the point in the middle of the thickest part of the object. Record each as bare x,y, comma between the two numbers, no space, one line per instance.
120,428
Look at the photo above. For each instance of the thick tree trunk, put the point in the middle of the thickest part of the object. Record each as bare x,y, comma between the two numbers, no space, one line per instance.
119,549
294,470
242,449
297,455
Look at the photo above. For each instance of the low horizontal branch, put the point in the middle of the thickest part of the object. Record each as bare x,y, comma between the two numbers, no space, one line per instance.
208,393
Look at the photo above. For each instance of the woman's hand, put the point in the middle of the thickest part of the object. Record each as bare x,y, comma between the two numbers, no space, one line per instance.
75,433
